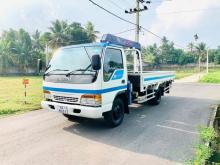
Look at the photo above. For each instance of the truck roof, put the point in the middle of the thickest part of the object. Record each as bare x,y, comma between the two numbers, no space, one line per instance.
110,40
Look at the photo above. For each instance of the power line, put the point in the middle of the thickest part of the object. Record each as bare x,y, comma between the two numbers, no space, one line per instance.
112,13
125,20
115,4
125,31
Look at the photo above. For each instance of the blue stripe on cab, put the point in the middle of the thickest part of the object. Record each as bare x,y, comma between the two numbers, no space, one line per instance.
101,91
158,77
118,74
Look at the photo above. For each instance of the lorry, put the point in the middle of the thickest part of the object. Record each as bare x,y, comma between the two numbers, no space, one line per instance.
101,80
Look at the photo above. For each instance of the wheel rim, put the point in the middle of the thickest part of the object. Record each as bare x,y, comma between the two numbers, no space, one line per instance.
117,112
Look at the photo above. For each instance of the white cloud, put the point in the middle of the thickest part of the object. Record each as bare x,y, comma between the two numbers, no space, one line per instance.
32,14
173,25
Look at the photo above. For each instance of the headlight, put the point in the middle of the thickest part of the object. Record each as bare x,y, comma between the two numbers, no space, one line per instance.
91,100
47,95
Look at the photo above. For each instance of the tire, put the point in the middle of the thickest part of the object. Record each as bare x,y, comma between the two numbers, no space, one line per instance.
115,117
70,117
156,100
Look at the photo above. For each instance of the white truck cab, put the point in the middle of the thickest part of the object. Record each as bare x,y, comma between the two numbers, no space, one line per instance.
101,80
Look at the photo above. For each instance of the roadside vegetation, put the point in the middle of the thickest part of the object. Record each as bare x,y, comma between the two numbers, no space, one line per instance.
208,150
20,50
212,77
12,95
204,150
185,73
216,154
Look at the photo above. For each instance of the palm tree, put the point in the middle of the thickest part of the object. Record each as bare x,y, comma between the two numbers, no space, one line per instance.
23,49
57,36
36,41
201,50
191,47
90,30
6,57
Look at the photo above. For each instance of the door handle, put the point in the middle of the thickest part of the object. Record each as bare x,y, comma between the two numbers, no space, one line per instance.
122,81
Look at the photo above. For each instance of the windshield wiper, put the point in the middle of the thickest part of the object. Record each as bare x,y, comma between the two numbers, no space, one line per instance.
83,70
48,67
54,71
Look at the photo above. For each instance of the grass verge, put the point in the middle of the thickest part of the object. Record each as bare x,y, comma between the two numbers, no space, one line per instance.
185,73
182,74
203,151
12,95
212,77
216,155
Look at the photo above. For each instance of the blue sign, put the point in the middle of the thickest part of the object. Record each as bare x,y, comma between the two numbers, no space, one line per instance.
109,38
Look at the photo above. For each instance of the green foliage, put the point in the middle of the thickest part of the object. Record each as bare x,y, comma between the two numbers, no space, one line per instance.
21,50
202,154
151,55
201,51
203,151
62,34
166,53
211,77
216,54
207,134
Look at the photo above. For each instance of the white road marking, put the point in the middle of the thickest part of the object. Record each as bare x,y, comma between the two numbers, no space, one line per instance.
177,129
179,122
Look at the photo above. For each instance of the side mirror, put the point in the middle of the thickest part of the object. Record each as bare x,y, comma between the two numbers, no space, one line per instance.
96,62
39,65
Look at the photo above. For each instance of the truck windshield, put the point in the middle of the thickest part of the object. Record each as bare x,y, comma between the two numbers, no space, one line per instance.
76,60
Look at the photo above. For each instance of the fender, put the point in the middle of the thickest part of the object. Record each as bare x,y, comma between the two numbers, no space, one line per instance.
124,96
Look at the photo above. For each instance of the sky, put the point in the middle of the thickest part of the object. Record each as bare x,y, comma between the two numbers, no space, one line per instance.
178,20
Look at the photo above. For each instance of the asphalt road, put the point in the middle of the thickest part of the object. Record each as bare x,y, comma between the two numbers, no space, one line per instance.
163,134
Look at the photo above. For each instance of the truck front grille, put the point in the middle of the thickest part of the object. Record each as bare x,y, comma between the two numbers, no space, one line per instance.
65,99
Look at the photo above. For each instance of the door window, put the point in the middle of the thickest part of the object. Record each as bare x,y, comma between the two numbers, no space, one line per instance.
113,60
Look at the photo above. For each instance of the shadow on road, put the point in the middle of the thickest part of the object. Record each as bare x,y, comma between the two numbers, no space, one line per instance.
168,130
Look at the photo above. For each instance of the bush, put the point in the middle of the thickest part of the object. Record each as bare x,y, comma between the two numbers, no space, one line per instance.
217,58
203,151
207,134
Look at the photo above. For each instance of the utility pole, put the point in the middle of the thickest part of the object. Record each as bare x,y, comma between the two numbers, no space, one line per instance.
137,11
207,61
196,37
137,21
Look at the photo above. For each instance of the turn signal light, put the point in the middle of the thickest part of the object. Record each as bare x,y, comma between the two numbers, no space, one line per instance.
91,100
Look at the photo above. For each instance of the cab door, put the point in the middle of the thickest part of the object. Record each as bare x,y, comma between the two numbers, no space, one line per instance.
114,75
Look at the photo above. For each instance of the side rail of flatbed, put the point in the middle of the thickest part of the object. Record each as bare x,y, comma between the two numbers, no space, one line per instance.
152,84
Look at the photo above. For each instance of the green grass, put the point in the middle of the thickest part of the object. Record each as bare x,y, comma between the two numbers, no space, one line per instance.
12,95
182,74
185,72
212,77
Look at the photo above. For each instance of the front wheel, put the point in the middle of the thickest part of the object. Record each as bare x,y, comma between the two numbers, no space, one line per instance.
116,115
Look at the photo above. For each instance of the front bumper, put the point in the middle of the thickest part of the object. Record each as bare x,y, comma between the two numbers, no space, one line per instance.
75,110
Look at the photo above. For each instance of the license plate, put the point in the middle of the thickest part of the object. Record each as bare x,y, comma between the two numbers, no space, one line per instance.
63,109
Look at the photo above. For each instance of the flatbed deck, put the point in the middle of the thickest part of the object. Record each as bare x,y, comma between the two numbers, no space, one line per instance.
140,80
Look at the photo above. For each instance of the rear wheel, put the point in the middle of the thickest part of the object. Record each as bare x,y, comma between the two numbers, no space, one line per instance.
156,100
116,115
